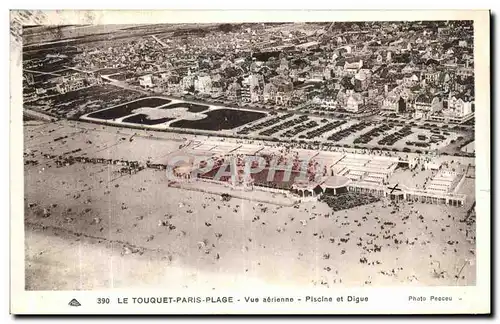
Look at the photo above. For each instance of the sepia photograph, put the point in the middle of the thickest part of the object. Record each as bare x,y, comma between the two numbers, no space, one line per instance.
208,156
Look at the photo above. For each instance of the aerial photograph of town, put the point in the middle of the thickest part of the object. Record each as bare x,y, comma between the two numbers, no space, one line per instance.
300,154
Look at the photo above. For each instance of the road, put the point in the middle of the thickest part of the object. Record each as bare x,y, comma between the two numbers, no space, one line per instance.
124,85
40,72
38,115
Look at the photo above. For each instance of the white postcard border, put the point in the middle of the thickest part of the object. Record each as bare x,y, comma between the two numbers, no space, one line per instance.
474,299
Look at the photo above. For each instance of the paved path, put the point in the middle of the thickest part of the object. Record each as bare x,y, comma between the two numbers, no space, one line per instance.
38,115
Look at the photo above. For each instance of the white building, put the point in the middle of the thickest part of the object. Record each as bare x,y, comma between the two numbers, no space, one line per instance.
465,72
270,91
390,103
203,84
410,81
426,105
352,68
363,77
187,81
325,103
146,81
460,106
353,102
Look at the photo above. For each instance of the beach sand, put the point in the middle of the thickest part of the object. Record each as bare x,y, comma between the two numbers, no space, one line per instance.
98,229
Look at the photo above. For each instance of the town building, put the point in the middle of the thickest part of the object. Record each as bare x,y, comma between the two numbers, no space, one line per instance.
351,67
146,81
460,105
353,103
426,105
203,84
270,91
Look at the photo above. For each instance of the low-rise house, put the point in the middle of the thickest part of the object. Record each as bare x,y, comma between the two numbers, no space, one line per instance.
465,72
372,93
410,80
270,91
351,67
390,103
245,92
460,105
234,91
72,85
40,91
187,82
328,73
431,76
146,81
409,68
461,84
362,78
444,77
354,101
28,77
173,79
426,105
203,84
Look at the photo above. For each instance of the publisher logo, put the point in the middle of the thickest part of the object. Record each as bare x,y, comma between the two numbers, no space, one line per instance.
74,303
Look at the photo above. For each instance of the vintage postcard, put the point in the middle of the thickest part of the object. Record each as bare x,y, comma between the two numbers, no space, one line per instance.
250,162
